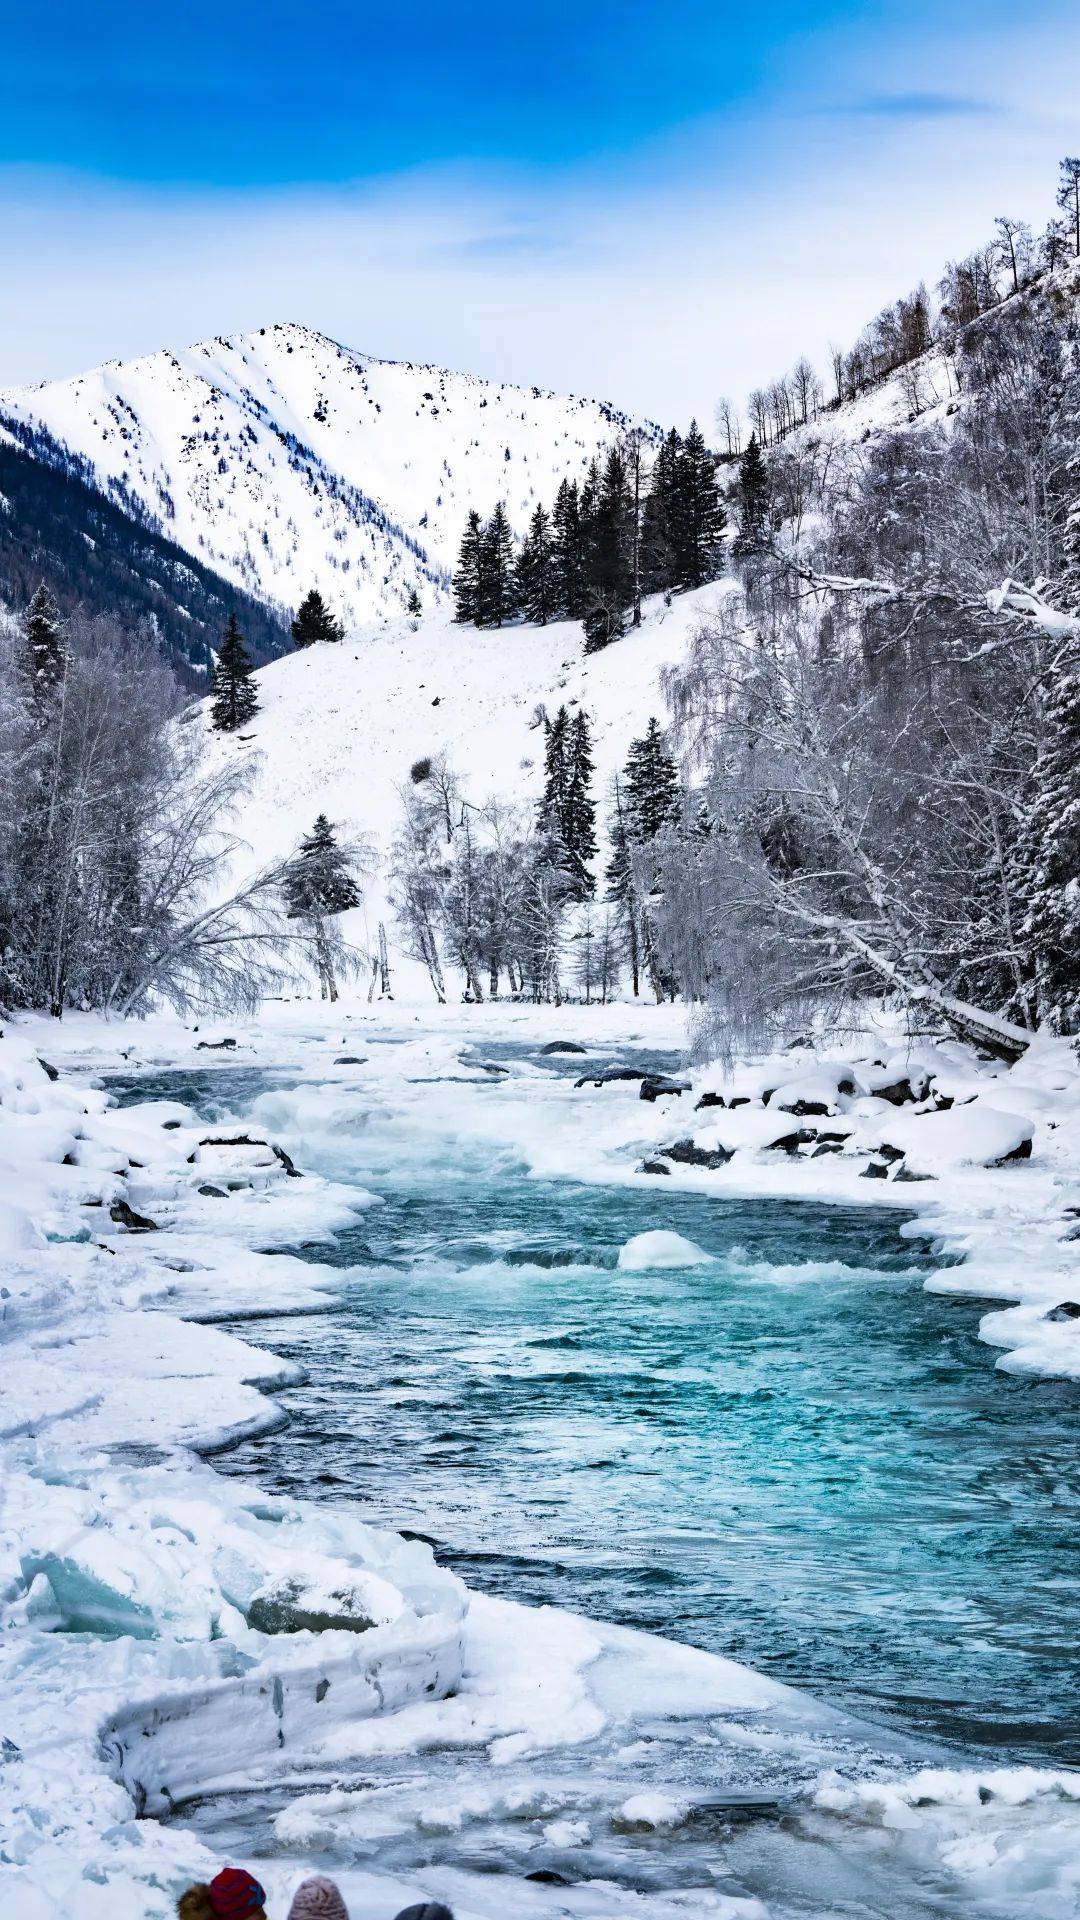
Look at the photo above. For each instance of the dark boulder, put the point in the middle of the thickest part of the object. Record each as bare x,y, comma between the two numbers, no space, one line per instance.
213,1046
653,1166
710,1100
653,1086
875,1171
791,1142
608,1075
213,1193
1067,1310
898,1093
689,1155
564,1046
1022,1152
126,1216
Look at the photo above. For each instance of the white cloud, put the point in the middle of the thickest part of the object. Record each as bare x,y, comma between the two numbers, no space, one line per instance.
701,264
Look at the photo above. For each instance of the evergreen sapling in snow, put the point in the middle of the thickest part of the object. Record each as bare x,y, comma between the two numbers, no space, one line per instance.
235,699
44,651
318,886
314,621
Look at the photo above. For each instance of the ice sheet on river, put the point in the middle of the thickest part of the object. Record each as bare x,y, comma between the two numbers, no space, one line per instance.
147,1654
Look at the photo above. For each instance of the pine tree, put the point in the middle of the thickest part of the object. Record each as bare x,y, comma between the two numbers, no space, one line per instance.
496,594
698,514
622,884
535,571
235,699
1048,857
413,605
651,786
314,622
754,499
556,763
44,651
469,569
568,552
609,583
319,885
579,809
658,537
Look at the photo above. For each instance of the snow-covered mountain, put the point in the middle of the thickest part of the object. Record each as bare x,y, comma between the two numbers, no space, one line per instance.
283,460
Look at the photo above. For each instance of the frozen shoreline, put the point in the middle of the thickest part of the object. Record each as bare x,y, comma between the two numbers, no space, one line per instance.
113,1382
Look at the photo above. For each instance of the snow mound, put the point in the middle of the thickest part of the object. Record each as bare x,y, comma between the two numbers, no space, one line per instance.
661,1249
972,1136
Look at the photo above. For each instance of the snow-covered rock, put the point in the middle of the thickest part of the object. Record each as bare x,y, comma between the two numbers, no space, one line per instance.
661,1249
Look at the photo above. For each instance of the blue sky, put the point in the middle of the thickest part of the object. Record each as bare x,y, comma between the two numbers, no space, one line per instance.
658,202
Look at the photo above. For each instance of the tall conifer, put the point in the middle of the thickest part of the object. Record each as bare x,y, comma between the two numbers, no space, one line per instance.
235,699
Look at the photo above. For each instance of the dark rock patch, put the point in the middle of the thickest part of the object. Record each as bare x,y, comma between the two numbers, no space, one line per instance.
1067,1310
126,1216
653,1086
1022,1152
686,1154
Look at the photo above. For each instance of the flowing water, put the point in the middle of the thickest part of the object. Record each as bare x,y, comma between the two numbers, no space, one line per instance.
795,1456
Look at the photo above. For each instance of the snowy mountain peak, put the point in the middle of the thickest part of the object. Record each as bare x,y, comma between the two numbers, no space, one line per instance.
283,459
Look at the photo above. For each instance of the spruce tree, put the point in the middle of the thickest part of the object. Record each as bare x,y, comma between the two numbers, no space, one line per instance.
568,552
658,534
319,885
413,604
609,582
469,568
235,699
579,809
651,786
1048,856
314,621
44,650
319,880
556,767
622,884
698,514
535,571
753,499
496,595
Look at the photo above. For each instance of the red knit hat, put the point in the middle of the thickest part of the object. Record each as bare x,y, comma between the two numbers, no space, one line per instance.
234,1893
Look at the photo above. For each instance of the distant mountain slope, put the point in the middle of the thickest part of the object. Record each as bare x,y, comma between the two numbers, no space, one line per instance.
281,459
58,528
340,726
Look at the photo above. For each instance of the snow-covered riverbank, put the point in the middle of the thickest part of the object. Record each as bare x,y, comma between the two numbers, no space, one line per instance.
141,1590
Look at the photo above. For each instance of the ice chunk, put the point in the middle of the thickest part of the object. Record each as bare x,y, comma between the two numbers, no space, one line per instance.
660,1249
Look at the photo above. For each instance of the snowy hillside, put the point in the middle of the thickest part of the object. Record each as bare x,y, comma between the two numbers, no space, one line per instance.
340,726
283,460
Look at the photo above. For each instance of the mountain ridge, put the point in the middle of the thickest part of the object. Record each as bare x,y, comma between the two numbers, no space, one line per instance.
282,458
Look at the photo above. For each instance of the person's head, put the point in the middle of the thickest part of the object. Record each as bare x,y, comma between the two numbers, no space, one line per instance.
195,1903
235,1894
318,1899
